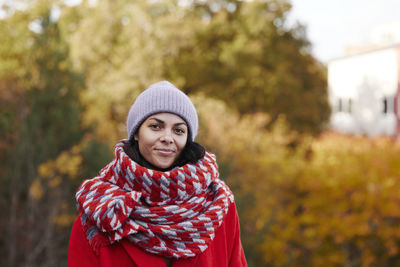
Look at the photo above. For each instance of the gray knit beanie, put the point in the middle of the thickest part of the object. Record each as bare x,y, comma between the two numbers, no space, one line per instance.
162,97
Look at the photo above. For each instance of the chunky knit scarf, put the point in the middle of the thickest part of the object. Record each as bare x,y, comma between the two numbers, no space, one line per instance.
173,213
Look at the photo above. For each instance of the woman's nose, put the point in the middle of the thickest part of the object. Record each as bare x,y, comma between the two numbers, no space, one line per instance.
167,137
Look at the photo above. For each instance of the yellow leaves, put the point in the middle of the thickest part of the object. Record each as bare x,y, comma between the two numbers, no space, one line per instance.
65,220
389,182
66,164
337,207
107,110
46,169
52,172
56,181
225,132
310,233
51,184
36,190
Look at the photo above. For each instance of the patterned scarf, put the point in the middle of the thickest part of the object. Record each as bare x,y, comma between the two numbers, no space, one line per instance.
173,213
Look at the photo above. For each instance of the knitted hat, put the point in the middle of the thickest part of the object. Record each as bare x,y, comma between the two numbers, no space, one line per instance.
162,97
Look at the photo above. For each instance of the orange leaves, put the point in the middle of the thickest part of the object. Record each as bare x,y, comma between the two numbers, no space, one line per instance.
329,201
348,192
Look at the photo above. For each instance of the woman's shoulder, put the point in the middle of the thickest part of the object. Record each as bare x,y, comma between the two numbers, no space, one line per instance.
231,219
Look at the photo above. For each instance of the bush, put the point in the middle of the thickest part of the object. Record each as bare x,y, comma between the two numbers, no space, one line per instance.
329,201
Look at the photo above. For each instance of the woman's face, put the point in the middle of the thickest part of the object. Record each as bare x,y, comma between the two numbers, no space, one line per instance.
161,139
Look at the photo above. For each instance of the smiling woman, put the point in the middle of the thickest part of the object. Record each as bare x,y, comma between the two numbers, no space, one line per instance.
160,202
161,139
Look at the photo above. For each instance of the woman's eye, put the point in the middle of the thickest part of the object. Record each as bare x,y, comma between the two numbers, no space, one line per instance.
179,131
154,126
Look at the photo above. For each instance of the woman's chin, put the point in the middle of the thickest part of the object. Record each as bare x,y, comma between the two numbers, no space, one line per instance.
163,164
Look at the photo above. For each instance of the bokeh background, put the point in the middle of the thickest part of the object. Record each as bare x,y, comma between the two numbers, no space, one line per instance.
69,72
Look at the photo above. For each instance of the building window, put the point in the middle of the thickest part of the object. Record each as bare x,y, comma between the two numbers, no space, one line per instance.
350,105
344,105
340,105
388,104
385,105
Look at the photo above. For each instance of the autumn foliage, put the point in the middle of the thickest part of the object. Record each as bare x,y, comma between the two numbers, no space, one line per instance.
305,197
331,200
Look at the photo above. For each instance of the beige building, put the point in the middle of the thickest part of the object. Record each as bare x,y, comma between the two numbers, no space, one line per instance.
364,92
364,85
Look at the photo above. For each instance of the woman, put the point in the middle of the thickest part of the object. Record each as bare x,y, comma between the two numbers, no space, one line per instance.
160,202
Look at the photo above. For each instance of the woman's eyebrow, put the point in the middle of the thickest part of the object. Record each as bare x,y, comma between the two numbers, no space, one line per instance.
158,120
161,121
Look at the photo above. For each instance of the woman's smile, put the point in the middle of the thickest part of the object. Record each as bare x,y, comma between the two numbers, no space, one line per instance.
165,152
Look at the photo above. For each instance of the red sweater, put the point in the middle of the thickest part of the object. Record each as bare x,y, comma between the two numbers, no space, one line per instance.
225,250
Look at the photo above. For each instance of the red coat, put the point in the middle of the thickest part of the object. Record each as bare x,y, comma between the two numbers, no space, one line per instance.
225,250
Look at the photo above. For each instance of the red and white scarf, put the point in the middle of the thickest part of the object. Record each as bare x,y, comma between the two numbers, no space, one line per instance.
173,213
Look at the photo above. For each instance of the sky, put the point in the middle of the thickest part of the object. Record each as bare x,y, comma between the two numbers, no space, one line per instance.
334,24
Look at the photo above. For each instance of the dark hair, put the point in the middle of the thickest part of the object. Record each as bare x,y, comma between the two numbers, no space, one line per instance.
191,153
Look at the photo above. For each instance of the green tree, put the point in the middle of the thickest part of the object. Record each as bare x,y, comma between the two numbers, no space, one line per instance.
39,119
237,51
244,53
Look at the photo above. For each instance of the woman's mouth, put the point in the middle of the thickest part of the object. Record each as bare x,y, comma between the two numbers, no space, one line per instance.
165,152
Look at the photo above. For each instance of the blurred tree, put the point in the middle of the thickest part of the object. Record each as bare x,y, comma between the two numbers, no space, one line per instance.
39,119
116,50
53,135
239,51
330,201
341,208
245,54
253,161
